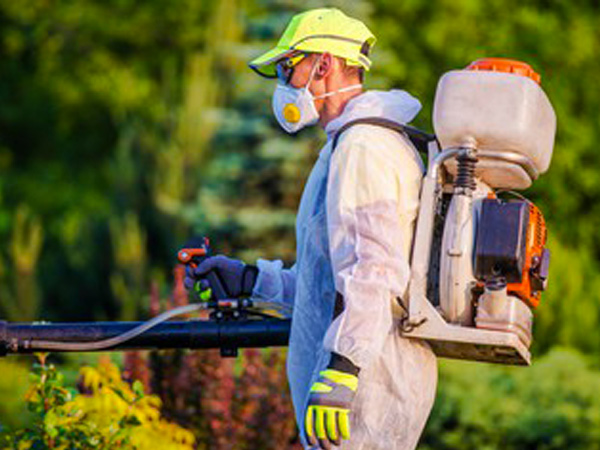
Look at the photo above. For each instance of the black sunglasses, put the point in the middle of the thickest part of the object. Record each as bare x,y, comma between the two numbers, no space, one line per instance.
285,68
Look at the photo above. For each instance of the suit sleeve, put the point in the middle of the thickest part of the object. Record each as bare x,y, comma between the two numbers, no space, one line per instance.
274,283
368,252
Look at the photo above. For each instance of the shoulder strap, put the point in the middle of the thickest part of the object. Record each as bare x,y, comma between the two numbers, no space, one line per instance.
420,139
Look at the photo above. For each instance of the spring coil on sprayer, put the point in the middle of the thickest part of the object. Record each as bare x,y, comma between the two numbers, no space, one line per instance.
465,175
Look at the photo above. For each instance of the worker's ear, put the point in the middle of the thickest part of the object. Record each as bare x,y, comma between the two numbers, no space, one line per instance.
325,66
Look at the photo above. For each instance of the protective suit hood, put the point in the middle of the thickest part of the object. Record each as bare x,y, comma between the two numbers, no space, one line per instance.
396,105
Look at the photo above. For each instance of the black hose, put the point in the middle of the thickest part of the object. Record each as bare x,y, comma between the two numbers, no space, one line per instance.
191,334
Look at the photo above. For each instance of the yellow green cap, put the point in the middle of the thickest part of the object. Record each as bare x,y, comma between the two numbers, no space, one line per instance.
318,31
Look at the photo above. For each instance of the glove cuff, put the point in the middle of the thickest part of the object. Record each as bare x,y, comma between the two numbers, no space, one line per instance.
343,364
249,276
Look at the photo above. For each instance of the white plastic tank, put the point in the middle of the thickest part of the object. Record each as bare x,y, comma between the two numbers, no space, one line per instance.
496,104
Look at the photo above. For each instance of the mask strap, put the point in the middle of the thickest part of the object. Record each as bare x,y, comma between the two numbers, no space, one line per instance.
339,91
328,94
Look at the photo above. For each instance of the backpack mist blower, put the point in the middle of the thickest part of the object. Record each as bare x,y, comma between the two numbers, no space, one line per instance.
479,263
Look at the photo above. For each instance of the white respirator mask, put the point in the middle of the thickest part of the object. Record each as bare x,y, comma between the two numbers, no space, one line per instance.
294,108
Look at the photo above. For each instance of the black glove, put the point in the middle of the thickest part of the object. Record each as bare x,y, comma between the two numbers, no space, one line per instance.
236,279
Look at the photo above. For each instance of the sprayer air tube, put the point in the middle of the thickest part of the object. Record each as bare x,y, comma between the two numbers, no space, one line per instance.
188,334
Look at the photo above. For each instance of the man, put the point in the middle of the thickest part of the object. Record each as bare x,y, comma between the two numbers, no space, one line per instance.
355,381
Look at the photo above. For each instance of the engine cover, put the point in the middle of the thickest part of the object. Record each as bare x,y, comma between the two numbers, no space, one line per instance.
510,245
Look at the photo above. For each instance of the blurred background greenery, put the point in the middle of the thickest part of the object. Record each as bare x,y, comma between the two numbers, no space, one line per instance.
127,126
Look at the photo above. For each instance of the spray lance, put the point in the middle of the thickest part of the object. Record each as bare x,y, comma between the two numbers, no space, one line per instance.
232,323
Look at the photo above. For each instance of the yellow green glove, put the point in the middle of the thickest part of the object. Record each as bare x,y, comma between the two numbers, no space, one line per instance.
327,418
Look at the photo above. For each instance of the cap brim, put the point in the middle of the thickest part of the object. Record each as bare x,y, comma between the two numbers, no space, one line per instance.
264,65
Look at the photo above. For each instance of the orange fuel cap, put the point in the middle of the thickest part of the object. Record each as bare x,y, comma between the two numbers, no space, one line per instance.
505,65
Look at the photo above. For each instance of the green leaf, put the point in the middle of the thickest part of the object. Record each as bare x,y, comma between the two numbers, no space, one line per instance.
138,388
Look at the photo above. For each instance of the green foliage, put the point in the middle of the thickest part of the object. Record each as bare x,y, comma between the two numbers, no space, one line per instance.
98,100
129,281
552,405
109,414
19,294
13,386
570,310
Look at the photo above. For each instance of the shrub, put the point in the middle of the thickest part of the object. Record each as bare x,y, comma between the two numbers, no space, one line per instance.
552,405
109,413
13,385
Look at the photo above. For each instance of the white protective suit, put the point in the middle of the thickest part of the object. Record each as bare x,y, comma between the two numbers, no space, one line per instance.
354,232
